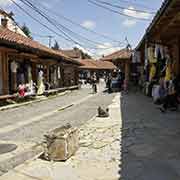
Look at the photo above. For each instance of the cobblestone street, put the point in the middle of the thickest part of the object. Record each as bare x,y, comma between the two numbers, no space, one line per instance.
31,122
137,142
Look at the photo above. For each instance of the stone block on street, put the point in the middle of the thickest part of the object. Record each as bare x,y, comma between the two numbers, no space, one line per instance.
61,143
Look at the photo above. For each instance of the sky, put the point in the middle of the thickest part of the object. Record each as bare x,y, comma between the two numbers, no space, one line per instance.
90,16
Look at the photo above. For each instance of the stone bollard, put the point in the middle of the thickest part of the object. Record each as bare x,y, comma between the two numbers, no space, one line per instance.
103,113
61,143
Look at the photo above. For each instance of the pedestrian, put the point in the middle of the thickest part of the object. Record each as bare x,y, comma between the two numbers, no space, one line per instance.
94,86
109,84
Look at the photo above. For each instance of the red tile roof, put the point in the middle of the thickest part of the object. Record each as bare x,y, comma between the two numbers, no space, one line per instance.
71,53
16,40
96,65
121,54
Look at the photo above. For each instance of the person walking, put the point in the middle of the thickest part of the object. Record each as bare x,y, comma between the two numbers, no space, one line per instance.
109,84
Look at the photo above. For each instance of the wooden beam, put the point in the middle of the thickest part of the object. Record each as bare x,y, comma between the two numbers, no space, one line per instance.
5,72
7,49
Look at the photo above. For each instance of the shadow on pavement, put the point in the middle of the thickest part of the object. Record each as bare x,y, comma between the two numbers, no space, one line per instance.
150,141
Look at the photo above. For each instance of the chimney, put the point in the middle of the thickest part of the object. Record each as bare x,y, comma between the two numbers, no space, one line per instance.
4,22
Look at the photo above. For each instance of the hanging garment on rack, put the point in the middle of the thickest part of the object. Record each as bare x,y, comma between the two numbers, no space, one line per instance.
168,75
152,72
41,87
162,52
146,57
159,49
29,74
151,56
136,58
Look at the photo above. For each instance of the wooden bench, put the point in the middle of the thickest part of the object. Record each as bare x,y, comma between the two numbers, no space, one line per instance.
5,97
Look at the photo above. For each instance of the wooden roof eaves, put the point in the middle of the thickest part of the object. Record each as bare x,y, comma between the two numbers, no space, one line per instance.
154,21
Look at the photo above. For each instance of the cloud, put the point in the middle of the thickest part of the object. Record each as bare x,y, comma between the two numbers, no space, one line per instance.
131,11
102,49
5,3
105,49
89,24
129,22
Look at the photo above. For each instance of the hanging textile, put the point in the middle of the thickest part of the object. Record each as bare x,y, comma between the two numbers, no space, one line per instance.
146,57
159,50
152,72
59,72
41,87
136,58
168,75
151,56
29,74
14,67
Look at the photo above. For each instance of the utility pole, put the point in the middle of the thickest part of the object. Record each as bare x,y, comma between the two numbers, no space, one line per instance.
128,44
50,40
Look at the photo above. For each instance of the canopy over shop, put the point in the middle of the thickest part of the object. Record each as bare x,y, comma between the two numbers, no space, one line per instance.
23,60
160,46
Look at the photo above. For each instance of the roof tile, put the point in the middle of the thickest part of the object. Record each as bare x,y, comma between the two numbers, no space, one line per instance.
121,54
12,38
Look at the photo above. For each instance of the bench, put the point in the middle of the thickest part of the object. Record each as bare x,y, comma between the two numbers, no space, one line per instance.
5,97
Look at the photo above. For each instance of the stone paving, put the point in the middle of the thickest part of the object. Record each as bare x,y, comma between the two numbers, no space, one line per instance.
97,159
75,115
143,145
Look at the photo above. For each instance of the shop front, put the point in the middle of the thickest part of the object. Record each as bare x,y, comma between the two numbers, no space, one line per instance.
160,48
31,68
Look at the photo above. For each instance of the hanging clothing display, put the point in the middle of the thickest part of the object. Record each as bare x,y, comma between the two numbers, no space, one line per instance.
30,89
159,50
14,67
152,72
160,65
168,75
21,90
55,77
136,58
146,57
41,87
29,74
151,56
59,72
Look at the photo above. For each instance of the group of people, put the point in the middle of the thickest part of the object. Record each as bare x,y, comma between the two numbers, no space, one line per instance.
31,88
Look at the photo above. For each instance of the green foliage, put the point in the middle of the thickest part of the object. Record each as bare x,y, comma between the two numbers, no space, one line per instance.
56,46
83,54
26,31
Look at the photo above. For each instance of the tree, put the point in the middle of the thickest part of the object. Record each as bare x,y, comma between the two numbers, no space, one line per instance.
26,31
83,54
56,46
